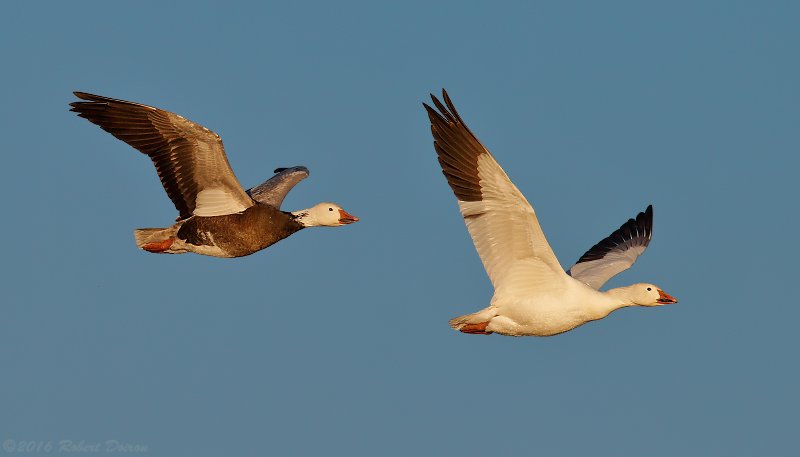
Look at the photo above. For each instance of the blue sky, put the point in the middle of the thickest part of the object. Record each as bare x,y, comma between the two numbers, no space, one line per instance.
335,341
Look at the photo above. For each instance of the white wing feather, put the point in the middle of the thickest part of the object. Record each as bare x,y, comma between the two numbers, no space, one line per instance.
507,235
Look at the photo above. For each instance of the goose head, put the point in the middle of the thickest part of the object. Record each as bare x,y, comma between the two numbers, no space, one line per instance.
324,214
649,295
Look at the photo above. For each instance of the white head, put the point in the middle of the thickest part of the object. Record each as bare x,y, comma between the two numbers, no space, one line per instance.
649,295
327,214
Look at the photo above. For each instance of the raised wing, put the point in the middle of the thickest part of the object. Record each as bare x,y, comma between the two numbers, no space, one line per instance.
274,190
616,253
189,158
500,220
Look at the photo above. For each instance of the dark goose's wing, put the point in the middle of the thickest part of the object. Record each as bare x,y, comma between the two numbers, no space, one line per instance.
189,158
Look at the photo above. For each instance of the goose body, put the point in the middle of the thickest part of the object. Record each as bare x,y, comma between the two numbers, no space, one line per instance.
533,294
217,217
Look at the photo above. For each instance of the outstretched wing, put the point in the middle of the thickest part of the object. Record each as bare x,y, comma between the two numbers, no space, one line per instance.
500,220
189,158
274,190
616,253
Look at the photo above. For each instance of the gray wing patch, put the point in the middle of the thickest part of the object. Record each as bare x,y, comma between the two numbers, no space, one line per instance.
616,253
274,190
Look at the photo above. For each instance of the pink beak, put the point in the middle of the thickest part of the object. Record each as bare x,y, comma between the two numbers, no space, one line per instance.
346,218
663,298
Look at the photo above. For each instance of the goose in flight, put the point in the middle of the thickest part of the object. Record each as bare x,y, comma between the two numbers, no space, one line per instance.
217,217
533,295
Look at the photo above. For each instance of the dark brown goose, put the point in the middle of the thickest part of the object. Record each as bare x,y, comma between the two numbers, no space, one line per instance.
217,217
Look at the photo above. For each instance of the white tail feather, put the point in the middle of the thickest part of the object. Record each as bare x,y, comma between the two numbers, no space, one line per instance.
458,322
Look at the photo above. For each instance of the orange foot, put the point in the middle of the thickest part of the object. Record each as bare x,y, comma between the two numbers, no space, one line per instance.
476,329
159,246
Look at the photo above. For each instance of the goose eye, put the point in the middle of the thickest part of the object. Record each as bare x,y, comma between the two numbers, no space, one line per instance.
649,289
330,209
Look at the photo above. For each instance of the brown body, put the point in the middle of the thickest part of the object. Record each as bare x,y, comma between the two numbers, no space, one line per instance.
217,216
239,234
230,235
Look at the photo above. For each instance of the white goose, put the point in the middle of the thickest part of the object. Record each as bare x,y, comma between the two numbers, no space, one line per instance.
533,295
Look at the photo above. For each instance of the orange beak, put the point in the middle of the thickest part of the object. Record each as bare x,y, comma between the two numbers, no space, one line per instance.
345,218
663,298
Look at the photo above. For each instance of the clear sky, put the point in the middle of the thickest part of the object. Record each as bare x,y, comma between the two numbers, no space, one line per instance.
335,341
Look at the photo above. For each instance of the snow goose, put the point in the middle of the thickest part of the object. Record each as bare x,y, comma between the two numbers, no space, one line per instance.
217,216
533,295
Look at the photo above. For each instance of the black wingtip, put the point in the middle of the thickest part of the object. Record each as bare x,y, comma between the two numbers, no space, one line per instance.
295,169
641,228
647,218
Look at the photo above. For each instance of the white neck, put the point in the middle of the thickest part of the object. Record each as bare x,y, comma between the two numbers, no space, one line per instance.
305,218
614,300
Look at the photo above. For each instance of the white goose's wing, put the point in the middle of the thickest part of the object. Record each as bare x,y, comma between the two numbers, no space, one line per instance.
616,253
189,158
502,223
274,190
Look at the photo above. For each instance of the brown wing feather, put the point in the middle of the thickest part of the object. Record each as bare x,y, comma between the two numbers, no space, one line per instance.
458,149
176,146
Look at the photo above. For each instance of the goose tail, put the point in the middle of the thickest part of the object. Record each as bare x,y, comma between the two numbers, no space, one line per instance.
157,240
457,323
470,323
